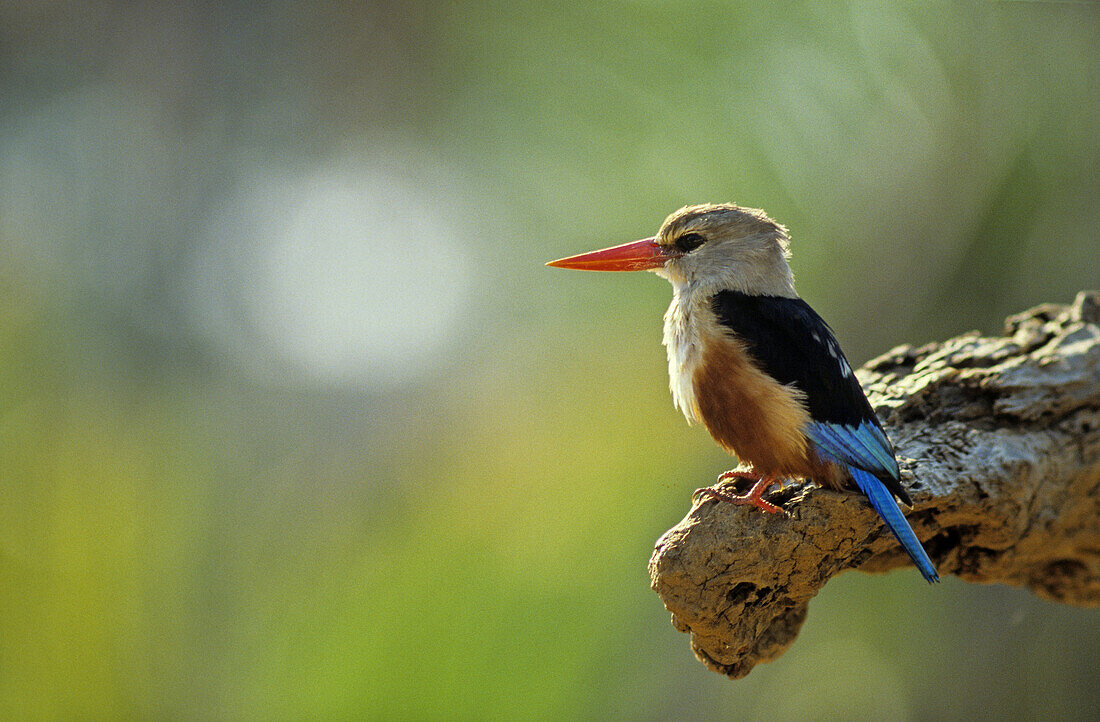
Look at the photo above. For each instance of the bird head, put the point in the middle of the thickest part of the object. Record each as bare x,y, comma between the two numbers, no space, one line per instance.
705,247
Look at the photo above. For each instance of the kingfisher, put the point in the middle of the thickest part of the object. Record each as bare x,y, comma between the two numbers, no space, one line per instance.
757,366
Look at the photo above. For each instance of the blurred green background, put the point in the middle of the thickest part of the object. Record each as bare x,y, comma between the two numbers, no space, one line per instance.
295,424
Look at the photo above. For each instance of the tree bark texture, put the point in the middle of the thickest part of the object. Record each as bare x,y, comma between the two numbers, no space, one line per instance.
999,444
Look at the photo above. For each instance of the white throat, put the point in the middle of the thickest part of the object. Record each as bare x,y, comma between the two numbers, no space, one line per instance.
682,343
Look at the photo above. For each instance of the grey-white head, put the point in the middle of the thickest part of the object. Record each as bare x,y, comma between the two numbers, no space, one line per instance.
704,249
714,247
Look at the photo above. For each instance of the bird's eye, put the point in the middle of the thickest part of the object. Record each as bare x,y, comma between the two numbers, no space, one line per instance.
689,242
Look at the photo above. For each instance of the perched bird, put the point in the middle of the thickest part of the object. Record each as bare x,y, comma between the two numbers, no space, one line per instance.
757,365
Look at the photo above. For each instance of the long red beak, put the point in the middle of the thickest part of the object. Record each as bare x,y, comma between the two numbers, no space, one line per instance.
635,256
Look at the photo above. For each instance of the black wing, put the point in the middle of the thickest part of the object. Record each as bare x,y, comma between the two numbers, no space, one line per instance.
793,345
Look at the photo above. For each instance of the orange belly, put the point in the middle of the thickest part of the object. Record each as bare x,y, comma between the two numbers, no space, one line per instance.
752,415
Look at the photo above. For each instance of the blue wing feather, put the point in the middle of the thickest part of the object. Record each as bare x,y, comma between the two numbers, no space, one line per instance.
864,446
866,453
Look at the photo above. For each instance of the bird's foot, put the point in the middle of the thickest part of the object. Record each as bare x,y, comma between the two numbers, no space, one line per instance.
753,497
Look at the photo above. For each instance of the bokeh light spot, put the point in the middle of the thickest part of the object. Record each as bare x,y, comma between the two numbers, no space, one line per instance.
348,274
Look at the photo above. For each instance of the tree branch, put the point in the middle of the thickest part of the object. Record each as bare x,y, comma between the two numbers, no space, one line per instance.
999,445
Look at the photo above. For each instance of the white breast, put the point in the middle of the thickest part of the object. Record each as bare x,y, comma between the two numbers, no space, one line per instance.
681,340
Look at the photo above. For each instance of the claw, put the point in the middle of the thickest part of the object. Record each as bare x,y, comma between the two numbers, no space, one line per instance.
754,496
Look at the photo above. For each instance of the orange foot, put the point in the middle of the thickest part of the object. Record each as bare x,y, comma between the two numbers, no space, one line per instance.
753,497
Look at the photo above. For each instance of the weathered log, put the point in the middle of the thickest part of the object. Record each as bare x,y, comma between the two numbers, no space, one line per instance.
999,444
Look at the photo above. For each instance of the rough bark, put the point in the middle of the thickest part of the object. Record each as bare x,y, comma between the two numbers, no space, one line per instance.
999,444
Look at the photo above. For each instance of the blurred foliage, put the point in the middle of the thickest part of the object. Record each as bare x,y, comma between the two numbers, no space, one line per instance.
294,424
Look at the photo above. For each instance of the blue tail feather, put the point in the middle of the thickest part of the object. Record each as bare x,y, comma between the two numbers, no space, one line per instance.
883,502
